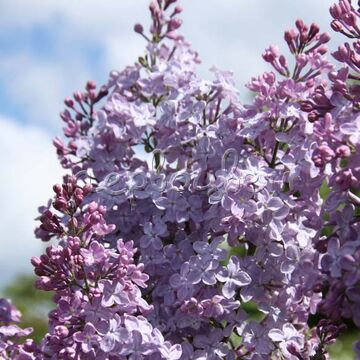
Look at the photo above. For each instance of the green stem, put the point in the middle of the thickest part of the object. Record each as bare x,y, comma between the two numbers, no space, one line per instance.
273,159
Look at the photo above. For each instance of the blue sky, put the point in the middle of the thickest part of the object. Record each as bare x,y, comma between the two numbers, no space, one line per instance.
48,49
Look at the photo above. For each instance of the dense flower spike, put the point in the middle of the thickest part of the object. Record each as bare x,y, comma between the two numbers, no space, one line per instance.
242,204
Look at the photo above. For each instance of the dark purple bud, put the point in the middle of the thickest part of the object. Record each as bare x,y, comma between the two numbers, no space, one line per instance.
57,189
78,193
270,54
78,96
92,95
314,30
178,9
90,85
60,204
79,116
336,26
350,19
72,145
324,38
283,61
29,346
313,116
310,83
69,102
35,261
138,28
69,186
65,116
300,25
293,350
335,11
322,50
44,283
87,189
289,35
174,24
307,106
343,151
269,78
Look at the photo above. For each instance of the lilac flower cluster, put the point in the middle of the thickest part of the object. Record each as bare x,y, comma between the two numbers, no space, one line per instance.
11,346
262,207
100,311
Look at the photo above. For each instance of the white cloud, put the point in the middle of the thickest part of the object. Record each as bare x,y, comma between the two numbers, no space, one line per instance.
38,86
28,169
231,36
92,18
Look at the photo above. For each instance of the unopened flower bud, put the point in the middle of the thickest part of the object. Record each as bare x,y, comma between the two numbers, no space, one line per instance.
79,116
335,11
343,151
61,331
322,50
344,179
310,83
65,116
306,106
90,85
269,78
174,24
78,96
336,26
313,116
283,61
93,206
69,102
102,209
92,95
138,28
72,145
324,38
289,35
94,218
57,189
74,242
300,25
87,189
73,223
29,345
350,19
60,204
314,30
35,261
302,60
178,9
44,282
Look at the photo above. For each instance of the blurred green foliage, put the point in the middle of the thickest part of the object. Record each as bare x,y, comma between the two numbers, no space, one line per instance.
342,349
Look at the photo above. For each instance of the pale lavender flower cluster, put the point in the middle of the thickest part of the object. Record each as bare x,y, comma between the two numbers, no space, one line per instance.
243,204
11,344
